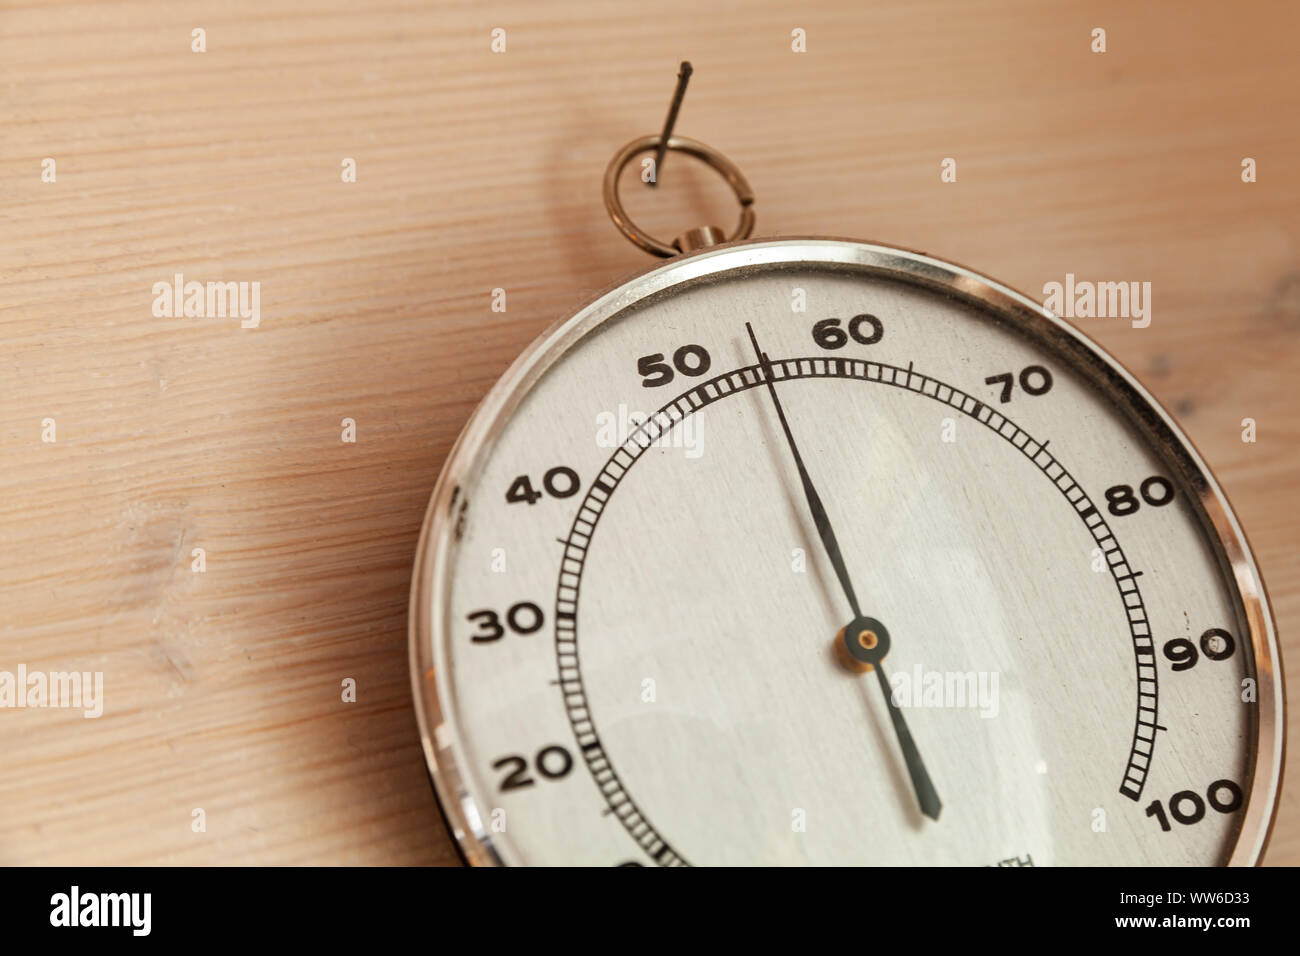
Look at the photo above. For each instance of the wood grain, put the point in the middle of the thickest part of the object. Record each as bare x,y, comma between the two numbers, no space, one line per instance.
479,171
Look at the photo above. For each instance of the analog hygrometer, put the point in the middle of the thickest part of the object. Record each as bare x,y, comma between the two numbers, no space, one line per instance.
819,551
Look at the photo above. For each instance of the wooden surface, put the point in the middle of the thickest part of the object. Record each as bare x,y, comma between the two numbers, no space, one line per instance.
478,171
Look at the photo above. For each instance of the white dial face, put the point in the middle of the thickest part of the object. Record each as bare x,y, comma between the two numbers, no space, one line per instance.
908,587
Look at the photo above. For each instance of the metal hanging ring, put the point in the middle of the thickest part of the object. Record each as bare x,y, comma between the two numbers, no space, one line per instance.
682,144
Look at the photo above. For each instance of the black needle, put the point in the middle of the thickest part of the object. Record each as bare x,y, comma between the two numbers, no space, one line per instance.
820,519
926,795
866,640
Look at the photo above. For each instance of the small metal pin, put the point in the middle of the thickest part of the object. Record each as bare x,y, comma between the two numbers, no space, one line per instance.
683,77
693,239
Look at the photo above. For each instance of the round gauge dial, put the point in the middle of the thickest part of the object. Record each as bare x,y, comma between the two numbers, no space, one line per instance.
821,552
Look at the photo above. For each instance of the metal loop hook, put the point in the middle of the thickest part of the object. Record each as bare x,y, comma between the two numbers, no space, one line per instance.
682,144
